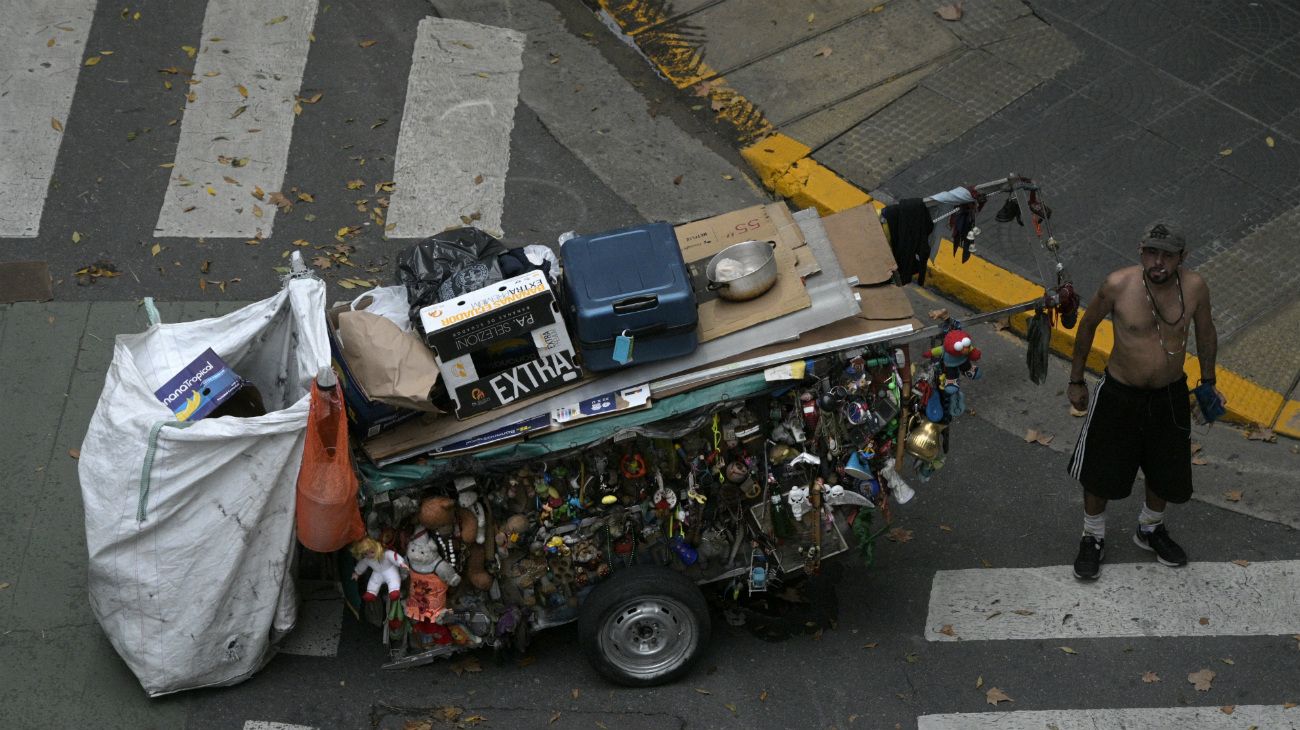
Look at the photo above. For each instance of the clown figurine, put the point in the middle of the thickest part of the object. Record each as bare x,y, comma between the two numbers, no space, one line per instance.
958,355
384,566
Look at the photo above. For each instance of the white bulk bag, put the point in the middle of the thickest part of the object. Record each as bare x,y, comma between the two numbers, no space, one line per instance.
190,529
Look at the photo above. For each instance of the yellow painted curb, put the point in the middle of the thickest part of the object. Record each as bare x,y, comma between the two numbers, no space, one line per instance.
785,167
984,286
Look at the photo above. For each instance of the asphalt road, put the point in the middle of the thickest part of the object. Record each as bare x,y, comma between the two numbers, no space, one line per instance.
1000,503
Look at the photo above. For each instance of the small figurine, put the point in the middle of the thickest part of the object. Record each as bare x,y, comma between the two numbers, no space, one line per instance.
384,565
799,502
467,498
958,355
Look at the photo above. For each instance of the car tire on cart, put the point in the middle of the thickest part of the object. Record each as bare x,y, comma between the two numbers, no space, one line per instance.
644,626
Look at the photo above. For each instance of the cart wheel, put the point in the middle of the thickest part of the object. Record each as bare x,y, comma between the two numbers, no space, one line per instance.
644,626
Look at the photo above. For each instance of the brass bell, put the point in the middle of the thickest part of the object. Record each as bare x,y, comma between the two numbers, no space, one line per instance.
923,440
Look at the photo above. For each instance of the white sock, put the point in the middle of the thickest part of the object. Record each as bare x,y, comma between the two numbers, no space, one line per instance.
1095,525
1148,519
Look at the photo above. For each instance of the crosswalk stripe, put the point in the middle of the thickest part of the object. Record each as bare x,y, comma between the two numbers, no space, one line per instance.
1132,599
238,123
1274,717
39,63
453,149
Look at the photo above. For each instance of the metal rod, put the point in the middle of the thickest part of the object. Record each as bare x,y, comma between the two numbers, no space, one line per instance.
765,361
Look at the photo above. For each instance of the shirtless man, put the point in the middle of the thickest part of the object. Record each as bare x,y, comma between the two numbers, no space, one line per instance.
1142,415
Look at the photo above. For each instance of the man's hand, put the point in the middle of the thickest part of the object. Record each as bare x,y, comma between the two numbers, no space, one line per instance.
1078,395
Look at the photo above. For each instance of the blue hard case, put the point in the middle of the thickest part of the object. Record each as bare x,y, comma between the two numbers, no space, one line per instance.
634,281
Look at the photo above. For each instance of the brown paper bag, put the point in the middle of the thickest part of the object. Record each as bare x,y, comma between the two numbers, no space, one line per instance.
390,365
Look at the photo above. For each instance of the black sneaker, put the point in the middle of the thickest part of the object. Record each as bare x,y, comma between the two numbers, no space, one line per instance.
1159,542
1092,550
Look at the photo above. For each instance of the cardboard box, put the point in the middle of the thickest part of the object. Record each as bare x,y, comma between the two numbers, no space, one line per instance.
860,245
702,239
500,344
199,387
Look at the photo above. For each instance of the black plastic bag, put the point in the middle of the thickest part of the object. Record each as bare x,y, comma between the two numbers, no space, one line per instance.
447,265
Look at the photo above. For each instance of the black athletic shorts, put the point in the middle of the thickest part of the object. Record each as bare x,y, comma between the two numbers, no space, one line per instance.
1131,427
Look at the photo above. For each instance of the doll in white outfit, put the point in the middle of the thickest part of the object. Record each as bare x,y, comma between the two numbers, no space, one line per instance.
385,568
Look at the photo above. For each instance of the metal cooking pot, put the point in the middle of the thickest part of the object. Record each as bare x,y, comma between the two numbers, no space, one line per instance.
758,262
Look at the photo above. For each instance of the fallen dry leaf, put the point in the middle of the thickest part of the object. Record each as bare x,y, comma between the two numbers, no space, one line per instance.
947,630
1203,621
1242,563
1023,612
277,20
1262,434
944,527
898,534
243,91
1233,495
703,691
523,661
468,664
1067,650
823,52
979,681
949,12
555,716
1201,680
912,658
731,707
995,695
367,43
156,249
1077,413
1150,677
1289,705
812,17
1267,140
574,693
56,125
1036,436
3,586
704,88
76,237
93,60
1228,709
762,696
1225,152
938,314
677,180
356,184
871,645
74,453
1196,448
1228,661
1199,460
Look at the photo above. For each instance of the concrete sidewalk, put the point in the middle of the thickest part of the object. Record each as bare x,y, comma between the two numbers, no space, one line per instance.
1124,112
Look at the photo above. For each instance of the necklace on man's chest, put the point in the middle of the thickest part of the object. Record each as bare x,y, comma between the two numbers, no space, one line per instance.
1160,317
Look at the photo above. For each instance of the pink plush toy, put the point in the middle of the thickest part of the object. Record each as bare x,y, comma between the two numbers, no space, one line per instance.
385,568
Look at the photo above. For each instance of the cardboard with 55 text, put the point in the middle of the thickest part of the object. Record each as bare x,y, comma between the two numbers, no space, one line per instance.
703,239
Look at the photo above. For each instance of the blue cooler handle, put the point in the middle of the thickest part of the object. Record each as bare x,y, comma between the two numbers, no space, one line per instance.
636,304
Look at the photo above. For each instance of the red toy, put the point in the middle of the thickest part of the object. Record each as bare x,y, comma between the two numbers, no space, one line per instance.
958,355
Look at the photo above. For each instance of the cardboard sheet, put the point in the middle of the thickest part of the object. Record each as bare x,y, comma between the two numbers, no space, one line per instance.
860,244
702,239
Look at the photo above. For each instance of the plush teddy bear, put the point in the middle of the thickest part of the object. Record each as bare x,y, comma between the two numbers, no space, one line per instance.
384,565
443,520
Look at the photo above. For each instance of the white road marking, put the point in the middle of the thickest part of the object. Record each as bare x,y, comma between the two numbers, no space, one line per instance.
453,150
320,624
249,68
264,725
37,81
1131,599
1274,717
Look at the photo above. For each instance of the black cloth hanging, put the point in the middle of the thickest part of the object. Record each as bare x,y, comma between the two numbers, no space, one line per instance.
909,238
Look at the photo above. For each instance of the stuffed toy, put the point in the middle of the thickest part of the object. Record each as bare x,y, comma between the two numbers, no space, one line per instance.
444,521
467,498
384,565
958,354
